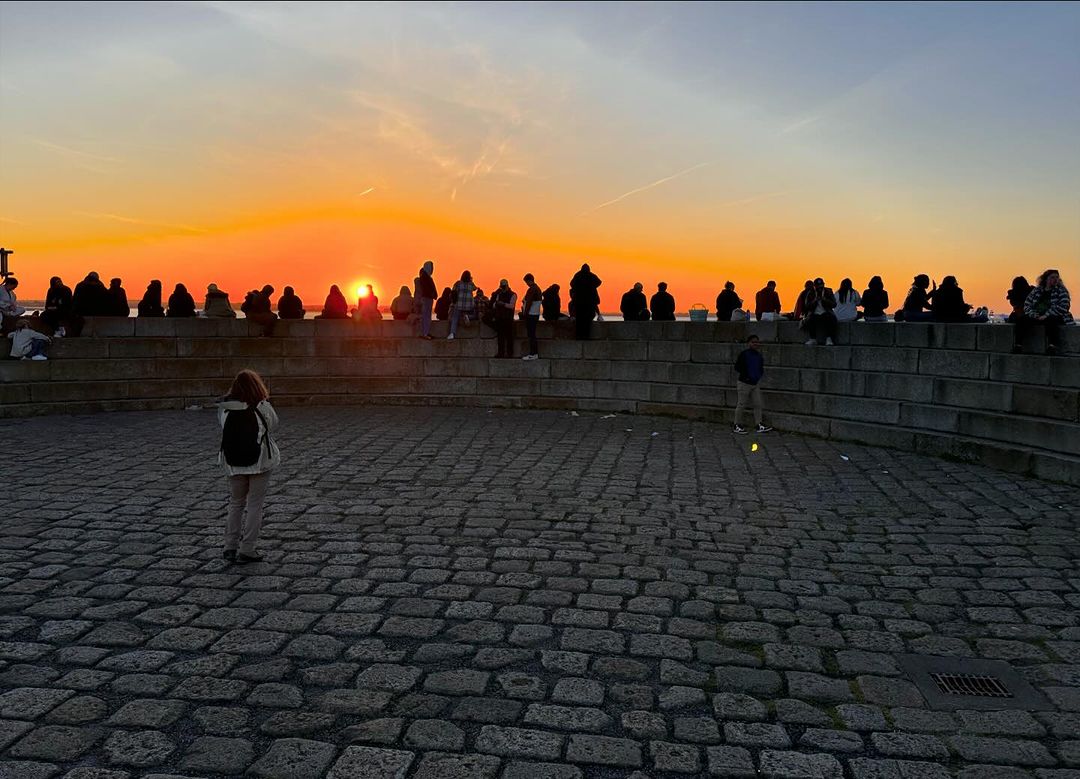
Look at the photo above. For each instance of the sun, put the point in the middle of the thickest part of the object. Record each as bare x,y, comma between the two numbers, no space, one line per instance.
362,291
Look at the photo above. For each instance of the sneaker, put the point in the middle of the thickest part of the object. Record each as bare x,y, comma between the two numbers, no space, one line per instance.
811,342
60,333
763,429
828,342
739,430
531,357
39,357
248,558
230,555
450,337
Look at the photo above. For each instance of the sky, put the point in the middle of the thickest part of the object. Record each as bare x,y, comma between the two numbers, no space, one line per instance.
311,144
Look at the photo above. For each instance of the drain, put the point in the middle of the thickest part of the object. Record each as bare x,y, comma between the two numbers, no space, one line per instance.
952,683
971,684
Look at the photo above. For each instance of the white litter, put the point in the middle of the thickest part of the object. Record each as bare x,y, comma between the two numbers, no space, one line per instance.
193,408
844,457
574,414
609,416
655,434
629,430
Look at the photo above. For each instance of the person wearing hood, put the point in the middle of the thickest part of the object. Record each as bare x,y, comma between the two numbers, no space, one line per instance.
150,305
425,292
289,306
367,308
443,304
217,304
503,304
662,304
91,298
57,313
118,302
726,302
585,298
258,308
248,454
335,307
402,305
181,304
633,305
875,301
551,304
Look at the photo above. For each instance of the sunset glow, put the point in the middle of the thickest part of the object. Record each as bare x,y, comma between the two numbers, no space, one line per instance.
311,144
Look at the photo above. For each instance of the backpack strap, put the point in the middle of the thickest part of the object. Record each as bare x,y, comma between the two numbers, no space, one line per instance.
266,428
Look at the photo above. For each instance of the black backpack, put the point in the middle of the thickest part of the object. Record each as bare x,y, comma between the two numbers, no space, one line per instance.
240,437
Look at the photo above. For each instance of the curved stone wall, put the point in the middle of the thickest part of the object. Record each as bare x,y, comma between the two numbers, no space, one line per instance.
949,390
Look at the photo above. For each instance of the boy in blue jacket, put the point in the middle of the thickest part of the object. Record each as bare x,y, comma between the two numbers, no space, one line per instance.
750,367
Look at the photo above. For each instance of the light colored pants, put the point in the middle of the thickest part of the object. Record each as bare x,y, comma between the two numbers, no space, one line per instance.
456,315
426,304
246,492
748,393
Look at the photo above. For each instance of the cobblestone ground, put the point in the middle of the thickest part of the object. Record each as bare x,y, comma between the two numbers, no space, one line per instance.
462,593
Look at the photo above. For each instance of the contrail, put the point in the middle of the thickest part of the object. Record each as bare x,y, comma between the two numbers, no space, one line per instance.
367,191
134,221
656,183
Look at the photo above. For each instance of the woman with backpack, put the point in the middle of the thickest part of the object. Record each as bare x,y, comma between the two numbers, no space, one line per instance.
248,454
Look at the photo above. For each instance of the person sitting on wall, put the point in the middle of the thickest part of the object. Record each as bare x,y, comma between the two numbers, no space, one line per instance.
258,309
1017,296
10,310
847,302
150,305
26,343
800,302
402,306
289,306
726,302
820,321
118,302
367,309
91,298
917,304
633,306
57,315
767,301
551,304
217,304
181,304
949,305
875,301
662,304
443,304
1048,305
335,307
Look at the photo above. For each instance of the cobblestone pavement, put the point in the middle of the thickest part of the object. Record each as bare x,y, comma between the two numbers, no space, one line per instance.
463,593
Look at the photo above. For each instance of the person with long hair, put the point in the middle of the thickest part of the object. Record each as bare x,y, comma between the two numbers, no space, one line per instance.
463,302
918,300
367,307
1048,305
949,304
248,454
150,305
1017,296
181,304
875,301
335,307
847,302
402,306
118,302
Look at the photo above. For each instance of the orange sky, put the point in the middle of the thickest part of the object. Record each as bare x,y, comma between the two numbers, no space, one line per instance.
244,144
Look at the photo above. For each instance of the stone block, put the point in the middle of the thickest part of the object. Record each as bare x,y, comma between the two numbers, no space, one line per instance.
622,390
671,351
791,402
109,327
1064,371
520,369
334,328
570,388
789,332
991,395
700,395
994,338
445,386
871,334
100,370
915,334
14,393
1063,404
1020,368
264,366
193,368
873,359
767,332
1055,467
815,380
885,412
912,387
57,392
954,364
75,348
693,373
1038,433
802,356
126,348
929,417
671,331
455,367
574,369
875,435
954,335
628,331
723,354
497,386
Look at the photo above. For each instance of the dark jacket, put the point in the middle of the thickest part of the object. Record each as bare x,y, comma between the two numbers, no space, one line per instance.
181,304
150,305
918,299
255,302
118,302
290,307
726,302
766,300
91,298
503,302
827,300
532,295
633,306
1016,298
551,304
424,287
335,307
750,365
875,302
59,299
662,306
584,293
949,305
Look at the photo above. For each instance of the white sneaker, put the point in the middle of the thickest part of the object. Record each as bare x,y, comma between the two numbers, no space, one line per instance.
763,429
739,429
39,357
60,333
531,357
450,337
828,342
811,342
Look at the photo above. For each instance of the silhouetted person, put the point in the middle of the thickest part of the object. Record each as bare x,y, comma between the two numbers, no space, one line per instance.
402,305
530,312
767,301
483,308
258,308
335,307
875,301
503,304
552,304
181,304
1017,296
118,302
289,306
726,303
57,311
367,310
150,305
800,301
949,304
91,297
585,298
633,306
442,305
749,370
917,303
425,292
820,321
847,302
217,305
662,304
1048,305
463,305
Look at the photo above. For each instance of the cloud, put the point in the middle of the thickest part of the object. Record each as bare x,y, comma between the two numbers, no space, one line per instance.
133,220
656,183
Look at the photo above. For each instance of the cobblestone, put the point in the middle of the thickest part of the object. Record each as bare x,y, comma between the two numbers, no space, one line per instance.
593,602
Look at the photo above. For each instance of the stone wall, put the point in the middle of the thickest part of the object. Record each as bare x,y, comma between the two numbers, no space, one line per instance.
949,390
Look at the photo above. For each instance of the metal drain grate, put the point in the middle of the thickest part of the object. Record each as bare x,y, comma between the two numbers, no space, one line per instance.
971,684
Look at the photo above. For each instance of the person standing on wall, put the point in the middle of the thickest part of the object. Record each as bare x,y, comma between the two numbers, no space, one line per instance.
425,293
750,369
248,455
503,304
530,311
585,299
